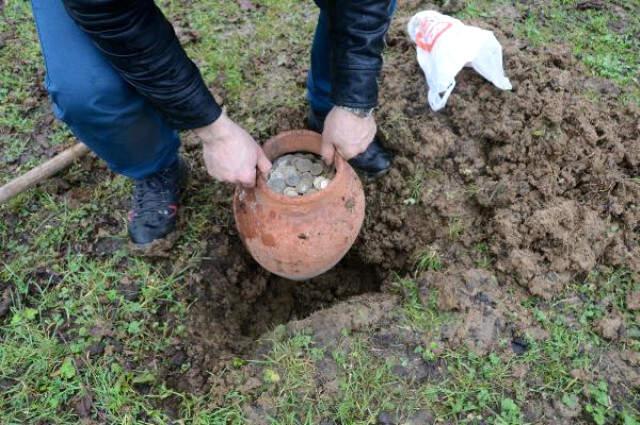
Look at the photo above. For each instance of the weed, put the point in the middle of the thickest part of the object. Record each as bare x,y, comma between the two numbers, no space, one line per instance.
484,259
456,228
599,408
415,186
428,259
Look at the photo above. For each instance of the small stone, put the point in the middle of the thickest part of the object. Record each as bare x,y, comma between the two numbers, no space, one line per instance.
316,168
320,183
312,191
303,165
277,184
291,192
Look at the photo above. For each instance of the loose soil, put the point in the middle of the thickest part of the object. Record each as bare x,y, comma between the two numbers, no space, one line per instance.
544,179
538,185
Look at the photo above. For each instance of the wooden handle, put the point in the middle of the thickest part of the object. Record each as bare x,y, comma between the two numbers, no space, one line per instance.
42,172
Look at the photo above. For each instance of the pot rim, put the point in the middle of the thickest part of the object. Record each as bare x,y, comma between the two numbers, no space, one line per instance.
341,166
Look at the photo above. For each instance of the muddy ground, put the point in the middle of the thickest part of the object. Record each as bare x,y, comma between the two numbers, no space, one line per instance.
542,179
521,193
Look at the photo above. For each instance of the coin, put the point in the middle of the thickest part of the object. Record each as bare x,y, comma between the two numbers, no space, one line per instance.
277,184
302,164
285,160
292,179
316,169
306,184
291,192
276,174
320,183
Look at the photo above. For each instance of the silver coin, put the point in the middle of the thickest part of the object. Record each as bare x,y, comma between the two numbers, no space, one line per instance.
277,185
291,192
306,184
285,160
287,170
316,169
302,164
276,174
320,183
292,179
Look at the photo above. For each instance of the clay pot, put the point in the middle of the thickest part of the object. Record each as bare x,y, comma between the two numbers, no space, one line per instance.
300,238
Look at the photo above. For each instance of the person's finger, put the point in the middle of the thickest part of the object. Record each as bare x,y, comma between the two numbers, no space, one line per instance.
264,165
327,151
361,148
248,179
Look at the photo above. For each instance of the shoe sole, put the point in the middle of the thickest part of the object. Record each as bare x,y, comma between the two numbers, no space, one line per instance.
156,248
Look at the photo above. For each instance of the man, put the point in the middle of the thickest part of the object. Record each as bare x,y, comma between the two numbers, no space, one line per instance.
117,75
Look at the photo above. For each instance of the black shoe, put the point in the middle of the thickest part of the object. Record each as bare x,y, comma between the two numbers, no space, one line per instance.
372,163
152,219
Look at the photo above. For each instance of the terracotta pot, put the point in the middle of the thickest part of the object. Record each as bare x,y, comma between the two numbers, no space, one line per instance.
300,238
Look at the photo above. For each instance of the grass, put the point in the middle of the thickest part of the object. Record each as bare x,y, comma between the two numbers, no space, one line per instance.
606,43
428,259
66,298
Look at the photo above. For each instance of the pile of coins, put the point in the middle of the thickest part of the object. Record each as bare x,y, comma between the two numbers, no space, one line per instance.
299,174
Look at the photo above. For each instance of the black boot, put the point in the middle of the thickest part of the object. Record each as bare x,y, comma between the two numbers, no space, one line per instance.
372,163
152,219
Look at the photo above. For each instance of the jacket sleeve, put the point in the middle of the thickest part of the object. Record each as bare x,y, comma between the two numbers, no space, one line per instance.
142,46
357,30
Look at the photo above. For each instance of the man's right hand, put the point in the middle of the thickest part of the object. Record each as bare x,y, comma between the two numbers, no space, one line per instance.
230,153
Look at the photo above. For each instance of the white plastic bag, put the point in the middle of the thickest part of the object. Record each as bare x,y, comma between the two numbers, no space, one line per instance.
445,45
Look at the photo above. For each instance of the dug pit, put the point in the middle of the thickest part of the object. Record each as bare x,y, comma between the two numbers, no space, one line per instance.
233,302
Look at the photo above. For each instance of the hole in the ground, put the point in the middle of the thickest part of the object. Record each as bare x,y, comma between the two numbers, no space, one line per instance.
284,300
232,302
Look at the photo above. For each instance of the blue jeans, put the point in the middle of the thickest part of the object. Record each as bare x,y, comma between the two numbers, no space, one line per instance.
109,115
101,108
319,78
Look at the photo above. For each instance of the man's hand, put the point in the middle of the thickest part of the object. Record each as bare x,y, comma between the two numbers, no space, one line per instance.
230,153
347,133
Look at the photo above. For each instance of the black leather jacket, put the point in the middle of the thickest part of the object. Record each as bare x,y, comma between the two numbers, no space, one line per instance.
141,44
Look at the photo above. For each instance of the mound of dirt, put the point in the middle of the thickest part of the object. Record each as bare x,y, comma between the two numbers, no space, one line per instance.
543,176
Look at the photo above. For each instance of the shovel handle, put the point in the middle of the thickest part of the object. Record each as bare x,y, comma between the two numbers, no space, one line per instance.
42,172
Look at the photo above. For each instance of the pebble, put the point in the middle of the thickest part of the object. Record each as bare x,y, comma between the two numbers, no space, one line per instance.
299,174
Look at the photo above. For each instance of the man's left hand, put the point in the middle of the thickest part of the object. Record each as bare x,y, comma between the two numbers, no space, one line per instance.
347,133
